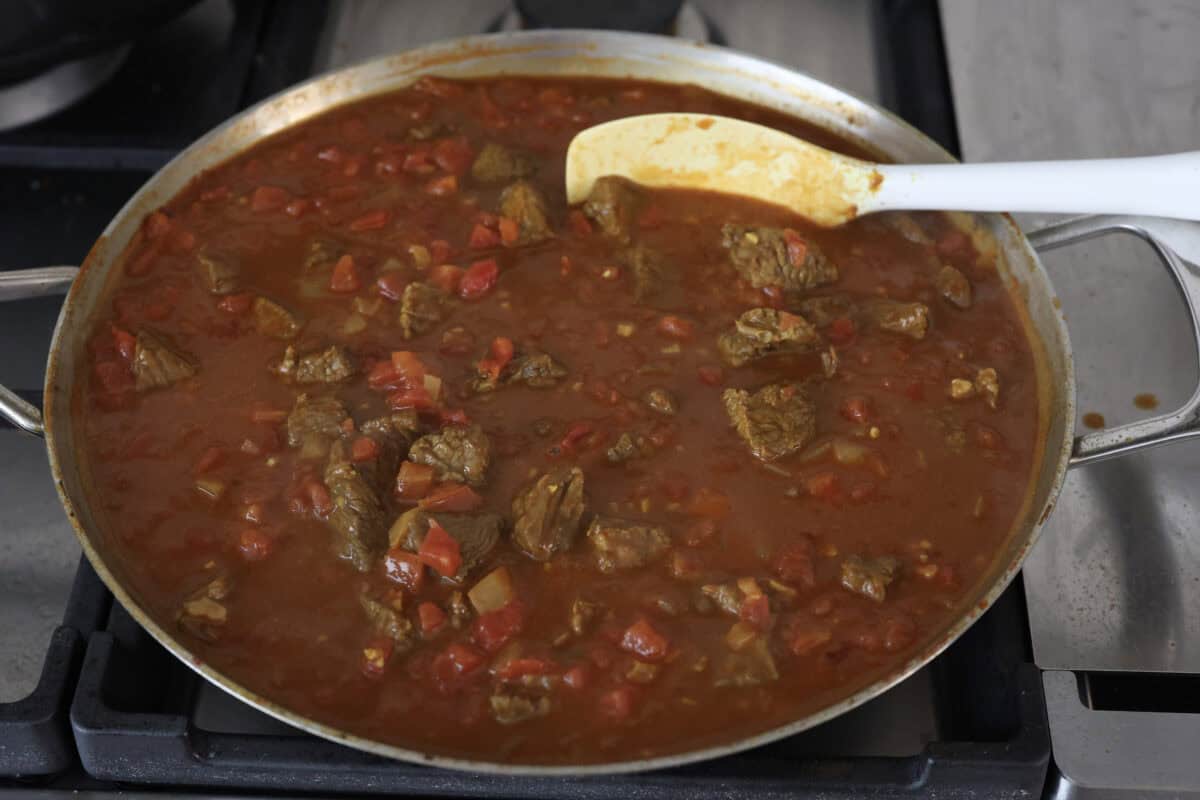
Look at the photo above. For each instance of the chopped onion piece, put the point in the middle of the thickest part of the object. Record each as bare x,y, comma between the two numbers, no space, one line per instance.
493,592
433,385
740,635
210,488
848,453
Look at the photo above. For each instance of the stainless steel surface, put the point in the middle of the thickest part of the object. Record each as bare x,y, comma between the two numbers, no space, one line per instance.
572,53
1105,755
58,88
25,284
828,39
1115,582
1176,426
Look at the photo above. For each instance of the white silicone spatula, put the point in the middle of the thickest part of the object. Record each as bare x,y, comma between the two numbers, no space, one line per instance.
703,151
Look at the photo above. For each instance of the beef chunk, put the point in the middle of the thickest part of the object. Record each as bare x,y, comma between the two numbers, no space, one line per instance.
497,163
625,448
613,205
156,364
760,331
869,576
272,319
652,273
524,204
331,365
218,273
421,308
323,252
547,513
776,257
619,544
953,286
203,613
661,401
476,535
822,311
727,596
776,420
583,613
535,370
750,666
909,319
389,622
321,416
509,709
458,454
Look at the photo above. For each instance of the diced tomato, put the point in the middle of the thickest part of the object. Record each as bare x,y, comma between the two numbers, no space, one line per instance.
453,668
710,375
269,198
318,496
756,611
114,377
580,225
576,433
823,485
371,221
842,331
364,448
453,416
644,641
431,618
804,636
439,551
413,481
686,564
577,677
709,502
391,285
520,667
345,276
674,327
794,562
375,657
483,237
417,398
236,303
510,231
405,569
442,186
773,296
446,277
126,343
479,279
492,630
617,704
454,155
418,162
499,354
297,208
209,459
403,370
439,250
254,545
797,248
451,497
856,408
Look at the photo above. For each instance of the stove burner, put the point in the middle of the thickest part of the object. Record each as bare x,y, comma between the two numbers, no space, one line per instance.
672,17
58,88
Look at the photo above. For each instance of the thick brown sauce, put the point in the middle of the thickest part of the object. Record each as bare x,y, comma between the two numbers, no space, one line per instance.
940,494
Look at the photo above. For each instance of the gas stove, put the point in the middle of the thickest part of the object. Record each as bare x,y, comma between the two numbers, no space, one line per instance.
89,703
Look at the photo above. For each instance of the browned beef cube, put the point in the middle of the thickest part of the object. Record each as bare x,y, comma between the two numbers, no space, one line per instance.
760,331
156,364
497,164
869,576
457,454
661,401
320,416
524,204
953,286
774,421
220,275
548,512
389,622
907,319
331,365
776,257
619,544
272,319
613,205
422,307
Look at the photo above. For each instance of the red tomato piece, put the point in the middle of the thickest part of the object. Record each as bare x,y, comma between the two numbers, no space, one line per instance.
510,231
318,496
413,481
794,562
451,497
431,618
409,367
439,551
114,377
126,343
710,375
418,162
617,704
576,677
345,276
446,277
391,285
157,225
371,221
492,630
756,611
364,448
417,398
297,208
236,303
454,155
269,198
674,327
644,641
483,237
842,331
856,408
520,667
479,279
453,416
499,354
453,667
442,186
797,248
576,433
823,485
254,545
210,458
405,569
439,250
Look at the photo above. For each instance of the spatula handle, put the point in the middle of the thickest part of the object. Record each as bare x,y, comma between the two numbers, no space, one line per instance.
1159,186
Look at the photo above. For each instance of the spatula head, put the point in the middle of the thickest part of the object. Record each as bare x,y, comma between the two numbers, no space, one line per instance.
705,151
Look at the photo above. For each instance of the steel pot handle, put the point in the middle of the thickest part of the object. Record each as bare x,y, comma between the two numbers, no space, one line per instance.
22,284
1168,238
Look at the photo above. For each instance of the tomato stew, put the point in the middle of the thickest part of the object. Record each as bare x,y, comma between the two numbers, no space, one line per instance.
392,437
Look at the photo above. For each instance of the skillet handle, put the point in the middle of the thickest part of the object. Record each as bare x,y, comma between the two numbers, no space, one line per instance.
22,284
1168,238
